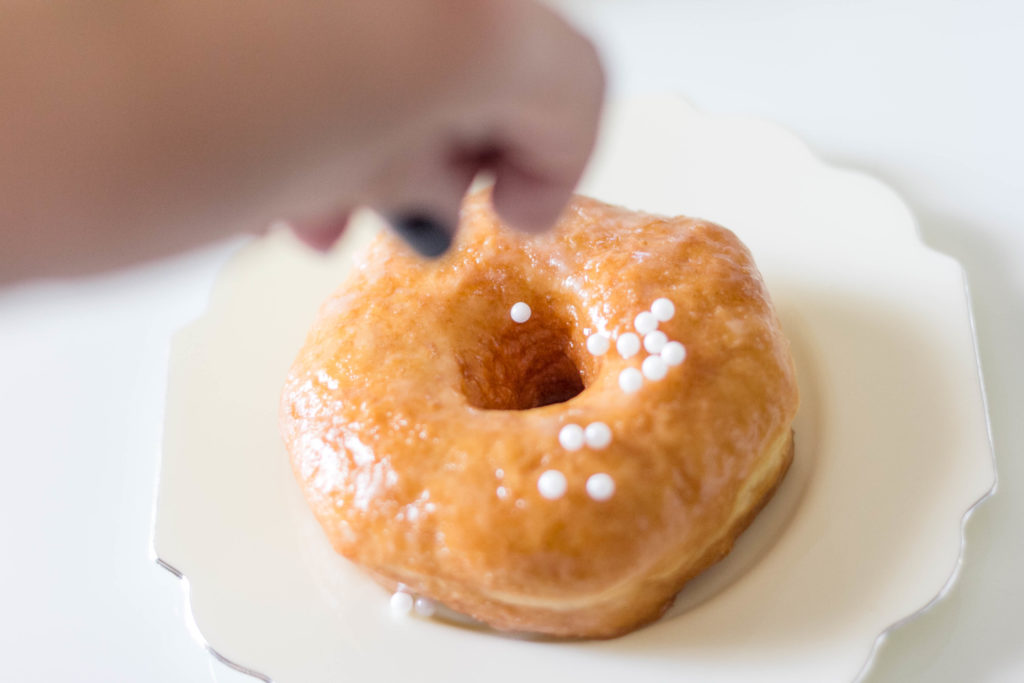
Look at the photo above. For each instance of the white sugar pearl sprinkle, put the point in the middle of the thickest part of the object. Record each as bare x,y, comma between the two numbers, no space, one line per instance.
597,435
645,322
600,486
630,380
674,353
598,344
520,312
571,437
628,345
401,603
654,368
663,309
552,484
655,341
425,607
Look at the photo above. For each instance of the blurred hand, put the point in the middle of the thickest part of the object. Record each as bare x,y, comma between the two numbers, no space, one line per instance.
132,132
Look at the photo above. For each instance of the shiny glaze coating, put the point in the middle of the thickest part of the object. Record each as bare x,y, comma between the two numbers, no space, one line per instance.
419,416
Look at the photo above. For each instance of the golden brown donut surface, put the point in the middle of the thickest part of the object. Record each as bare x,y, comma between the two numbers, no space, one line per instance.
419,416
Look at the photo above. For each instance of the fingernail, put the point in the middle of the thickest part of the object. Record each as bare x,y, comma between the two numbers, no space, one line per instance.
424,234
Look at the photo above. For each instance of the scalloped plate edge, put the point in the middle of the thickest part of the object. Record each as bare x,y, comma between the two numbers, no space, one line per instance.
813,159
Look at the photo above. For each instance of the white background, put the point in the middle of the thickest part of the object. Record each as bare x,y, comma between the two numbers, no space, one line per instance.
925,95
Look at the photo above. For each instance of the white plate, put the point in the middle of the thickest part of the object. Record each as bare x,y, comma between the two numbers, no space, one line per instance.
892,447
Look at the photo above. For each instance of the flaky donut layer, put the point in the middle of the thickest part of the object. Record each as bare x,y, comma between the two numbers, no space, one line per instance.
419,416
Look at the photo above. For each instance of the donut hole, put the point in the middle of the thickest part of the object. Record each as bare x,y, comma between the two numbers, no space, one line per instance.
521,366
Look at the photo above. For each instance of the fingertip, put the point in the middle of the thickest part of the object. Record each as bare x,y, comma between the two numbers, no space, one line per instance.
528,204
319,233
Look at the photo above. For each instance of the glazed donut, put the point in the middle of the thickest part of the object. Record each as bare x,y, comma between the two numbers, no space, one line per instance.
551,434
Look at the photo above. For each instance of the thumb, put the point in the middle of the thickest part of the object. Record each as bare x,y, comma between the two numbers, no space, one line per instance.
529,202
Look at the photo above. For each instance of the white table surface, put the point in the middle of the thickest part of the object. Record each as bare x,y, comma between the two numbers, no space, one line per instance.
925,95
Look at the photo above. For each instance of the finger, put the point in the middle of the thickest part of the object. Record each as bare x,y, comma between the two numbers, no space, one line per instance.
546,148
320,233
527,202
